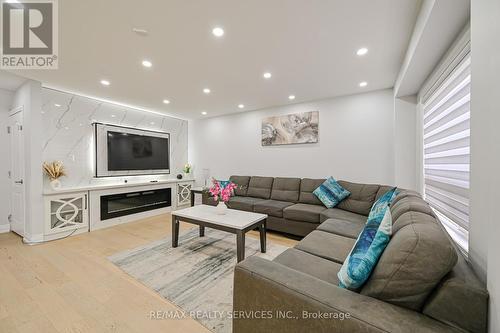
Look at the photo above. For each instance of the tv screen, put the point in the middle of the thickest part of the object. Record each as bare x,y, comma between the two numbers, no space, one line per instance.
136,152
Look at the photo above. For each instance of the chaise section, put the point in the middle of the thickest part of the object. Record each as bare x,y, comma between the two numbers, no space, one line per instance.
304,212
271,207
350,229
323,269
243,203
326,245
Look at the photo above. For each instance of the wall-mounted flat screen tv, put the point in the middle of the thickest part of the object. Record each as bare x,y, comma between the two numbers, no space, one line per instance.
122,151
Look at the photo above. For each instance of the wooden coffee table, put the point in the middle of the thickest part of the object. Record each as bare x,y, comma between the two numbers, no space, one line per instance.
234,221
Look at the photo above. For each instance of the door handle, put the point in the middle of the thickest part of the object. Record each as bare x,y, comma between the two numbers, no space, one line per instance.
19,181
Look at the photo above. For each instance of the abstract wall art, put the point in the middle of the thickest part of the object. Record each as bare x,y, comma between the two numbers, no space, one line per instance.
296,128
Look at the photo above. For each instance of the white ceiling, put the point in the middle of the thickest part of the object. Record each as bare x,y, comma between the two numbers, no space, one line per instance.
308,46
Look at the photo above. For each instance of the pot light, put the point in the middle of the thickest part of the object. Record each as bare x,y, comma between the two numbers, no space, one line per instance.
241,106
57,105
113,116
166,101
362,51
105,82
152,123
204,113
206,91
267,75
291,97
363,84
218,32
147,63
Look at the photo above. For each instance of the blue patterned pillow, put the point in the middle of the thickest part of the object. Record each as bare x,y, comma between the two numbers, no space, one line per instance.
369,246
330,193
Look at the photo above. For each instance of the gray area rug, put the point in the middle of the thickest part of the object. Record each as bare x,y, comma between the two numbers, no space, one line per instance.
197,275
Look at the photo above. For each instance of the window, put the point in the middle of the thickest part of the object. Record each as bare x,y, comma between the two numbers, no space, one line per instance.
446,147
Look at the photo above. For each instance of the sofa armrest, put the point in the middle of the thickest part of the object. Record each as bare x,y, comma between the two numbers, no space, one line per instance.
270,297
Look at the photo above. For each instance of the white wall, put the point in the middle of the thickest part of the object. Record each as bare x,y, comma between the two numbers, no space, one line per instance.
5,102
29,96
405,156
356,142
484,246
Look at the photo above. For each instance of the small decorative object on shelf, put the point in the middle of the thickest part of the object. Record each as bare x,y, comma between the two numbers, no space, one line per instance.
222,192
179,176
187,169
54,170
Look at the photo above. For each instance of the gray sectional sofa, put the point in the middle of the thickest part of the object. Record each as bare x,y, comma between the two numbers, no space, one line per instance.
293,208
421,282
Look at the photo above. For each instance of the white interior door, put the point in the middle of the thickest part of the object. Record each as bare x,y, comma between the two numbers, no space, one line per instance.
17,180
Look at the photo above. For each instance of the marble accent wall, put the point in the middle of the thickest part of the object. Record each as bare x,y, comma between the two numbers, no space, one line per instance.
68,134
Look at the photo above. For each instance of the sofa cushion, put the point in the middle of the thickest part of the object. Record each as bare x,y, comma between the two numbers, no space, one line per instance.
323,269
307,187
243,203
330,193
303,212
361,199
414,204
336,213
260,187
418,256
286,189
326,245
345,228
241,183
271,207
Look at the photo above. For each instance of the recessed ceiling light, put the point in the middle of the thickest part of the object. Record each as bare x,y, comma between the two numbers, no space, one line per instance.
267,75
113,116
152,123
147,63
218,32
204,113
206,91
291,97
105,82
57,105
363,84
241,106
362,51
166,101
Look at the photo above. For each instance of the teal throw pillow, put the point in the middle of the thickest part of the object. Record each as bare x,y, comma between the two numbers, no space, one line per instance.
330,193
369,246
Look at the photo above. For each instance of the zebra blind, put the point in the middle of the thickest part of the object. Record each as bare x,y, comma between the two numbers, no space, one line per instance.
446,145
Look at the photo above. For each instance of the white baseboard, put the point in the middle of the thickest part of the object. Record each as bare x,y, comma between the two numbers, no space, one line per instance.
4,228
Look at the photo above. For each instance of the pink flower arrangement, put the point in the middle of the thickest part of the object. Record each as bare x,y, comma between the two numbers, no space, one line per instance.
222,191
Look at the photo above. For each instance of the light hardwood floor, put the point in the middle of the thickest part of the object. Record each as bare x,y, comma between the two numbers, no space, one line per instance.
69,286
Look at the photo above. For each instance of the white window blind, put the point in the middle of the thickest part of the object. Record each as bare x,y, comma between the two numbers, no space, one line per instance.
446,146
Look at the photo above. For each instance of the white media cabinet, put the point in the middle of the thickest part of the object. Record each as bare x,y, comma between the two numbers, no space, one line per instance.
75,210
